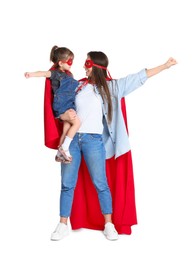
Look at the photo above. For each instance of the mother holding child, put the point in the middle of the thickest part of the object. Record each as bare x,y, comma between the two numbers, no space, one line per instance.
97,186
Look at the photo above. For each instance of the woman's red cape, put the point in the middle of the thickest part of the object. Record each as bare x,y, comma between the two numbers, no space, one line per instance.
86,211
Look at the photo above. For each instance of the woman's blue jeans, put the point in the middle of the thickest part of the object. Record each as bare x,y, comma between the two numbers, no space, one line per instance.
92,148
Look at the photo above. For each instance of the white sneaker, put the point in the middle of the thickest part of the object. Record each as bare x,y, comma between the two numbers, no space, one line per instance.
60,232
110,232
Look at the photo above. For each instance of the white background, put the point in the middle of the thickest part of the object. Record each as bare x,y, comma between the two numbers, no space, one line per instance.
134,35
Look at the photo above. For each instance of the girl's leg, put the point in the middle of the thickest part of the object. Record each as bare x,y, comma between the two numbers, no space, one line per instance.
66,127
69,115
67,136
72,119
75,125
72,130
59,156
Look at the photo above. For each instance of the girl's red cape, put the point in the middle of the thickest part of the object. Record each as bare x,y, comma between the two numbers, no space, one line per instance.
86,211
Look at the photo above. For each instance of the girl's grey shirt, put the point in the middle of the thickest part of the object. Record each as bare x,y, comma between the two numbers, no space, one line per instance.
115,134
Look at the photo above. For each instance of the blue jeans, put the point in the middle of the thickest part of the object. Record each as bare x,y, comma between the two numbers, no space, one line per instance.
92,148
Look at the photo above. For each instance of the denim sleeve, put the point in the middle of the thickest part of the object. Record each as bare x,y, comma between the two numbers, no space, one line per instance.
130,83
53,74
57,75
55,79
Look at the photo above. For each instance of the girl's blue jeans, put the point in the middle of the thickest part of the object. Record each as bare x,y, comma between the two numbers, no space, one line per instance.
92,148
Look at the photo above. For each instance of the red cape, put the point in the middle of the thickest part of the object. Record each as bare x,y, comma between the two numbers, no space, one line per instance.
86,211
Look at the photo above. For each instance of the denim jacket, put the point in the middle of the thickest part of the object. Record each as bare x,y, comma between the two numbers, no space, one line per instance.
115,134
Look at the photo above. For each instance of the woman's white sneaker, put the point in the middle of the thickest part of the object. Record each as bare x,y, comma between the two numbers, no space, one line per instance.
110,232
60,232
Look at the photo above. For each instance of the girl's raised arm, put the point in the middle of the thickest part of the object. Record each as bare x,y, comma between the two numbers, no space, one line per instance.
46,74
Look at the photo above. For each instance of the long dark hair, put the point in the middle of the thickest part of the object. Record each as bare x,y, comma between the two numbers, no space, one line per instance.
99,77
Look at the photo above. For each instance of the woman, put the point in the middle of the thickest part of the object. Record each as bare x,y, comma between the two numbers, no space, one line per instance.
99,106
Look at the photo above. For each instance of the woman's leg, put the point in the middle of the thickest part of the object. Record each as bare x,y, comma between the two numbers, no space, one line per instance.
69,175
94,154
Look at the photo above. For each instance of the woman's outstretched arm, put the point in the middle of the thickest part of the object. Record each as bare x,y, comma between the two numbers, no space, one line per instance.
170,62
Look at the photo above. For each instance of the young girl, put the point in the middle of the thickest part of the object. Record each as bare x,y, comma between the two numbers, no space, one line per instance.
63,87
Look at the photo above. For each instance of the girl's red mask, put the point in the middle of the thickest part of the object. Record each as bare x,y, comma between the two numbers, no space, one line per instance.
69,61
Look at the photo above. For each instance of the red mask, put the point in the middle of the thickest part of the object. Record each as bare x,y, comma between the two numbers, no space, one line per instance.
89,64
69,61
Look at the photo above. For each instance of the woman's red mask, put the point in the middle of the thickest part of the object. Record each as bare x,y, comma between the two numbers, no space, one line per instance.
89,64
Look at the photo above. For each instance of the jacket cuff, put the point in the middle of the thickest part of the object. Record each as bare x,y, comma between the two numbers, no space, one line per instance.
143,76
